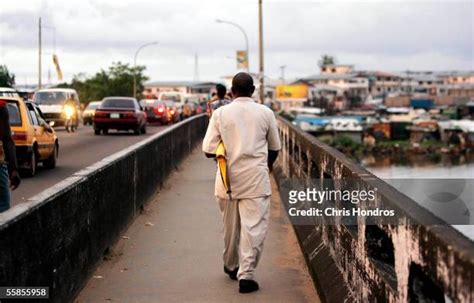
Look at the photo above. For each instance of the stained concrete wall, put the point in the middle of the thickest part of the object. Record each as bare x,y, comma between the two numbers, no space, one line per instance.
58,236
408,261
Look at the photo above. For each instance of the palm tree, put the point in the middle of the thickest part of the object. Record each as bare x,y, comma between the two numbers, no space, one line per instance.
326,60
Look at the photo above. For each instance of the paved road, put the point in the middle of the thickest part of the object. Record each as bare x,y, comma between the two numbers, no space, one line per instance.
76,151
172,252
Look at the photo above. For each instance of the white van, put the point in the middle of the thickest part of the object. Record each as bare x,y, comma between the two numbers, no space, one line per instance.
176,97
52,103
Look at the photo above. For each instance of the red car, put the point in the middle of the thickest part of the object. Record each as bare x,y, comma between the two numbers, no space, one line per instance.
173,110
120,113
156,111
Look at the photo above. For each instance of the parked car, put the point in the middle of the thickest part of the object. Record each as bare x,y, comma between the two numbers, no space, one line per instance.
156,111
35,139
173,110
57,104
89,111
119,113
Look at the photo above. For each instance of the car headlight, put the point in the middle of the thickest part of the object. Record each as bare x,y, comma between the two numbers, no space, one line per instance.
69,111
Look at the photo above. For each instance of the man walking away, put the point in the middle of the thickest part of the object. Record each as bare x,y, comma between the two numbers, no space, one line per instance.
8,167
249,133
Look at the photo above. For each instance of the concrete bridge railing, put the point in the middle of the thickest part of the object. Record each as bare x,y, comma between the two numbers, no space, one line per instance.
57,237
409,261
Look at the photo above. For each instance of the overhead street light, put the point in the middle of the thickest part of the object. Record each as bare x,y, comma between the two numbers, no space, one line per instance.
245,36
135,65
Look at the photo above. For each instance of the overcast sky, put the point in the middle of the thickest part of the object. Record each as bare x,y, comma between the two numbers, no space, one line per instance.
377,35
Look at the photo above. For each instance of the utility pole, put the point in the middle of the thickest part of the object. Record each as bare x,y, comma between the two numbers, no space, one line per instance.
196,68
39,54
260,49
283,73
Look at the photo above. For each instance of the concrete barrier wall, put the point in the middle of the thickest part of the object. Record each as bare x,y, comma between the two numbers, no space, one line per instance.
409,262
58,236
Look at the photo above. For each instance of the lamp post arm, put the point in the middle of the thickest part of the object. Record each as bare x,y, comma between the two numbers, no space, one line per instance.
245,36
135,65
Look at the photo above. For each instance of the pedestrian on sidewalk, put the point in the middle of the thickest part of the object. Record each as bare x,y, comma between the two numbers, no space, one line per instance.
249,133
220,99
9,177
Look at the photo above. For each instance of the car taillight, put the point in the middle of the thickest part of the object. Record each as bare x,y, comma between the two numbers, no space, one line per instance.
160,109
19,136
172,112
100,114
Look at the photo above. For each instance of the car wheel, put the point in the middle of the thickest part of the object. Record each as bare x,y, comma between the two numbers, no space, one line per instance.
96,131
50,163
33,164
105,131
137,131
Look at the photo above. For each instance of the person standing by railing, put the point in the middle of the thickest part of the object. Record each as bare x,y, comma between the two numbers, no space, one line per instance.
9,177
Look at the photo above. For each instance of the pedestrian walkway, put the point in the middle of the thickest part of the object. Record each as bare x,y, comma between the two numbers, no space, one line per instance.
172,252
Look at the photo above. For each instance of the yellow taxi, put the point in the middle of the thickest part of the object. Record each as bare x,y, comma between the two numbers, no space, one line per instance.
35,139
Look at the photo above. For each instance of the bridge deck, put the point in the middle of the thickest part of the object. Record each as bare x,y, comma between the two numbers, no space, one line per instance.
177,258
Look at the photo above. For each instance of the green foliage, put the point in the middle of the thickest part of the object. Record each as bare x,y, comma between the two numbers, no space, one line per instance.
286,115
432,143
326,139
6,78
326,60
344,141
116,81
393,143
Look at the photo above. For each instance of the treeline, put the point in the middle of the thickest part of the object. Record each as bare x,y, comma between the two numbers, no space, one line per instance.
117,80
7,79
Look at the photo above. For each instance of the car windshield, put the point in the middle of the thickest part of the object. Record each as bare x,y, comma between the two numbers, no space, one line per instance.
14,114
167,97
148,102
50,98
93,105
117,103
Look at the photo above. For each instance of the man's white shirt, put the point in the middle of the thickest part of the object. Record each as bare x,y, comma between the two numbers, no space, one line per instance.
248,130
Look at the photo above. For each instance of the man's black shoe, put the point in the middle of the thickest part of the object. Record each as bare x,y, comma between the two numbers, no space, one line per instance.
246,286
232,273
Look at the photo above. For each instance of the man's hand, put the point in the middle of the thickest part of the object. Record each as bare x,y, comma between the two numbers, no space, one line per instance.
14,180
272,156
211,156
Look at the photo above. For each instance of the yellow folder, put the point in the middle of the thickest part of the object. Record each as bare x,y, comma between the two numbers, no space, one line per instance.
223,169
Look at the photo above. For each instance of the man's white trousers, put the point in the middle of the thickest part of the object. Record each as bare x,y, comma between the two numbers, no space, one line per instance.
245,227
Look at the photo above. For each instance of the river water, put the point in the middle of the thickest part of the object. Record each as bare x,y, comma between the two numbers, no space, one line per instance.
417,171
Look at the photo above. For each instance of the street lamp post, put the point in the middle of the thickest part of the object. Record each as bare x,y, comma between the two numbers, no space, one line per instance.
135,65
260,51
40,47
245,36
39,54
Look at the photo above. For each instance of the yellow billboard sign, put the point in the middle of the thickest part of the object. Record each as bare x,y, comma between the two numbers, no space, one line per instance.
291,92
58,68
242,60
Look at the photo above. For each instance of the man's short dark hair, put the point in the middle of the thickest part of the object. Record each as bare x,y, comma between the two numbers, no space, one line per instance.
242,85
221,91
